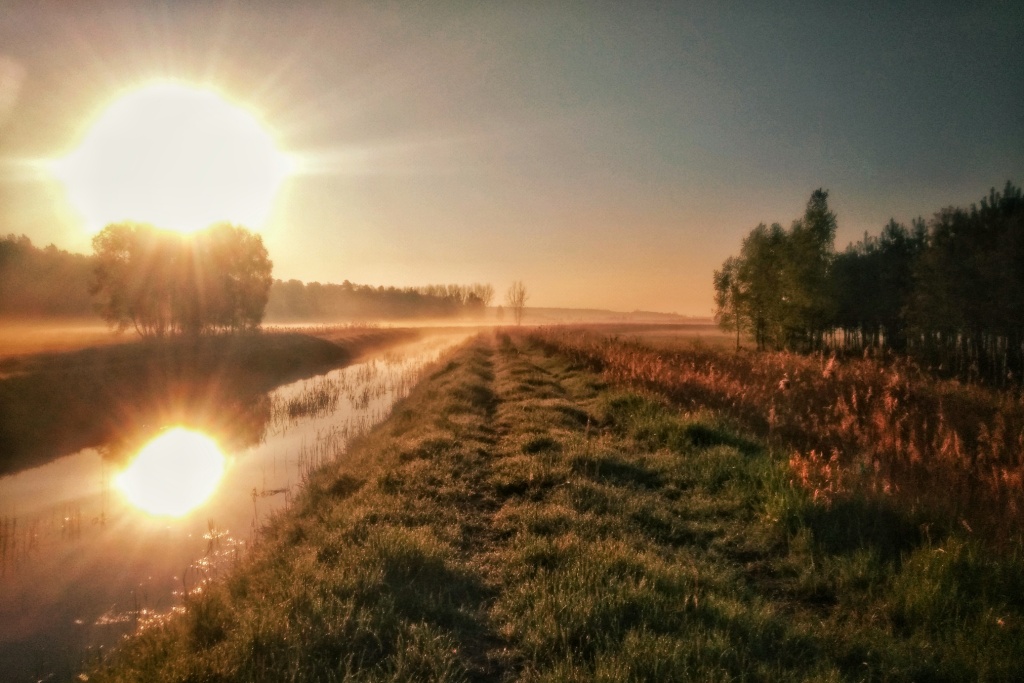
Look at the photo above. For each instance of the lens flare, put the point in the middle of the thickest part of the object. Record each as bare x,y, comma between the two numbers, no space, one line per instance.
179,157
173,474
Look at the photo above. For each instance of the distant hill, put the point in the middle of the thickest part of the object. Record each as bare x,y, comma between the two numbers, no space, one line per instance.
541,315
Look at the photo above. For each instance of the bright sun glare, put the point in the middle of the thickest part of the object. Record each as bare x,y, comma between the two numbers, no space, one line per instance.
173,474
179,157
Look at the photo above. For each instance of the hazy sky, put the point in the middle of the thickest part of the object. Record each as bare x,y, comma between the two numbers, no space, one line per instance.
610,155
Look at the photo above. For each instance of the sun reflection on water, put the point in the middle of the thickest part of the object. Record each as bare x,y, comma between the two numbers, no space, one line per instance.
174,473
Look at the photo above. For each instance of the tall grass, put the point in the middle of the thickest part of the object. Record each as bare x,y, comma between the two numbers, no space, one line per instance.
521,518
948,451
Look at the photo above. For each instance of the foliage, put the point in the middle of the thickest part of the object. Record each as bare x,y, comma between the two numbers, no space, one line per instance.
778,289
42,282
873,281
296,300
162,282
949,292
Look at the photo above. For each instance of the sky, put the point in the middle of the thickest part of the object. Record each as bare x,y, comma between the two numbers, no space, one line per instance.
609,155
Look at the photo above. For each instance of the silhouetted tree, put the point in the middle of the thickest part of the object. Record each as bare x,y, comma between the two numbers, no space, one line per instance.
967,307
873,282
515,298
162,282
42,282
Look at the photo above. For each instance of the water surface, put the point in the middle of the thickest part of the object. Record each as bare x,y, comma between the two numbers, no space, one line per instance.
92,549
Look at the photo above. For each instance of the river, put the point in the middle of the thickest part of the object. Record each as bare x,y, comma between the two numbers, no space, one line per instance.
90,551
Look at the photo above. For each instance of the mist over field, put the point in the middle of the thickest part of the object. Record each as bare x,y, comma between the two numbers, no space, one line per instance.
498,342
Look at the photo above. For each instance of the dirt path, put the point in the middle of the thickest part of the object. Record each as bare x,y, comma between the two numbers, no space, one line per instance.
519,519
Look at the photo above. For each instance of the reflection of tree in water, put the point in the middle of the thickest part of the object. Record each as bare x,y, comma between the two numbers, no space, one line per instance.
233,416
111,397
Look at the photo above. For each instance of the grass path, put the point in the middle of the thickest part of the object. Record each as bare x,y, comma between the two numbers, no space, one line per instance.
518,519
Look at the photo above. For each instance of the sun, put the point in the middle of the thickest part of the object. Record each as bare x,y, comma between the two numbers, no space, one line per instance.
174,473
179,157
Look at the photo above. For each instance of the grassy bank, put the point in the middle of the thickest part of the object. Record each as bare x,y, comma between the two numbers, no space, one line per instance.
519,518
944,452
52,404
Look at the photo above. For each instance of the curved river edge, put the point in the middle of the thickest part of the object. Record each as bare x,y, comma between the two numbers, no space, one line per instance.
52,404
520,517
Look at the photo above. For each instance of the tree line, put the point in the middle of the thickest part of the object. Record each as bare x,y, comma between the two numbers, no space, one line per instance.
160,282
46,281
296,300
949,292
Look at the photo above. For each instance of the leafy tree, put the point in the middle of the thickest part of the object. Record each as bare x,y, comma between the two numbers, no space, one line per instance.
761,274
967,307
809,296
949,292
162,282
779,288
729,297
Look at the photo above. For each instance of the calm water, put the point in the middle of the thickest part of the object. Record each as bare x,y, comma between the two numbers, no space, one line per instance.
90,553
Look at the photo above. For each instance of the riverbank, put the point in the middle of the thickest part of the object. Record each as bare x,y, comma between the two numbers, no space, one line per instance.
521,518
56,403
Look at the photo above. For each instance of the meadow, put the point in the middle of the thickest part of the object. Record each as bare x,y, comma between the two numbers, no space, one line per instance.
944,452
541,508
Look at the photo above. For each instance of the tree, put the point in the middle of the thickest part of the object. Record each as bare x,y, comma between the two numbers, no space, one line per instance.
162,282
764,300
779,287
42,282
728,297
808,263
515,299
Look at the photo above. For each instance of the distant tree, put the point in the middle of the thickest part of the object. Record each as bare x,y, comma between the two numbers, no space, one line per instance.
478,298
42,282
780,287
295,300
515,298
485,292
162,282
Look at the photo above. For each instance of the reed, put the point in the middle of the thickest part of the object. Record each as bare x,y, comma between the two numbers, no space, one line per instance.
521,518
949,451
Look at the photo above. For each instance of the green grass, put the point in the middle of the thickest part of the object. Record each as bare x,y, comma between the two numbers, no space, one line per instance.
518,519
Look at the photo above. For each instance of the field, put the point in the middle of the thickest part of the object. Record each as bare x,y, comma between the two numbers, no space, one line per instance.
26,337
541,508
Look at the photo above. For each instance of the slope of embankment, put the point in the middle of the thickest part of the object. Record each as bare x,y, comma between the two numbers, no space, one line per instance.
520,518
